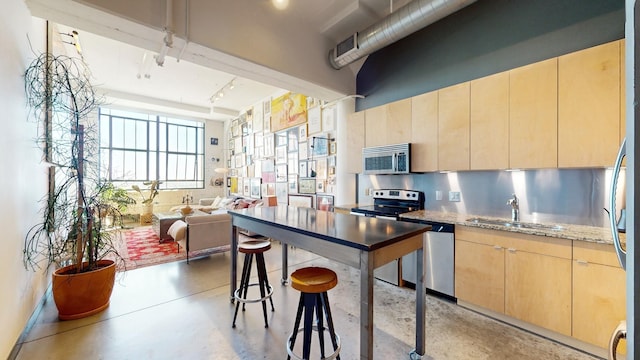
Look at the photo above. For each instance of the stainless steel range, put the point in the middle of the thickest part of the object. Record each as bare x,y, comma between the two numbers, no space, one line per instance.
390,204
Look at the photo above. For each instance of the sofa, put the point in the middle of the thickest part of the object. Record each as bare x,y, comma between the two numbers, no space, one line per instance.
199,232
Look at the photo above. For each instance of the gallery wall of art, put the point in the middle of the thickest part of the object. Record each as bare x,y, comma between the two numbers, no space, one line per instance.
284,147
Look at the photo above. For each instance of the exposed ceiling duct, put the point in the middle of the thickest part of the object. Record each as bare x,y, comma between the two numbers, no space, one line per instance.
405,21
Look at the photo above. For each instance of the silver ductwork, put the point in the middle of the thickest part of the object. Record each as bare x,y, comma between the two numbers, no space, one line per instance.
405,21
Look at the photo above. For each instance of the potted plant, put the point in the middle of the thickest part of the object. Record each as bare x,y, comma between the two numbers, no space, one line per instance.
70,233
147,199
116,201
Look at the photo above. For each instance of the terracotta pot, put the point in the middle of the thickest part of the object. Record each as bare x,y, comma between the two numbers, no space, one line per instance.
83,294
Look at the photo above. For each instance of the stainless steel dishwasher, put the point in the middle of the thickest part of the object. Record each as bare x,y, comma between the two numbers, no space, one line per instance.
439,259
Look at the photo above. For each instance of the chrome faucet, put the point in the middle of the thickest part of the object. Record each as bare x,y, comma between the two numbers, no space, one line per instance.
515,208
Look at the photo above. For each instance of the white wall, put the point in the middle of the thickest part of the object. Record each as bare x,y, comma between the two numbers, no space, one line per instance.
23,182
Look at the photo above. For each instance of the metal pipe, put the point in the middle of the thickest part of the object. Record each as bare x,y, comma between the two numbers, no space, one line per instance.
405,21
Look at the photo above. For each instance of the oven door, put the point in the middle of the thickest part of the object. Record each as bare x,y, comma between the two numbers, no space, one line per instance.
389,272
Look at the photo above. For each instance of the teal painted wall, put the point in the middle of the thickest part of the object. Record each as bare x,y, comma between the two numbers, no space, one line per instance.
484,38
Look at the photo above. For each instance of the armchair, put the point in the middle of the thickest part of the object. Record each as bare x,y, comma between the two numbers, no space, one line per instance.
200,232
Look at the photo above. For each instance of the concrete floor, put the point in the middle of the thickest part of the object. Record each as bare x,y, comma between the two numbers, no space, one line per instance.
180,311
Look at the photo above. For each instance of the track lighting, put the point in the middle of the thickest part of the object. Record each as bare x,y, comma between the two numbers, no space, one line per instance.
221,92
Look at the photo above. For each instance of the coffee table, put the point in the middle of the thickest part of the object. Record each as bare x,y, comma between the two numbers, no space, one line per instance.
162,221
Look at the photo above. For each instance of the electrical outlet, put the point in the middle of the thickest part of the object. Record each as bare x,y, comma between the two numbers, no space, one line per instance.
438,195
367,192
454,196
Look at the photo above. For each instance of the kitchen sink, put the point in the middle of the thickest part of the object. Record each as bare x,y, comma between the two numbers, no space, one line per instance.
515,224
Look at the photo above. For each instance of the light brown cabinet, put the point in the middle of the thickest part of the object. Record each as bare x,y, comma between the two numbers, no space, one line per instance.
533,116
388,124
598,293
589,106
538,289
489,122
453,127
479,274
355,142
522,276
424,136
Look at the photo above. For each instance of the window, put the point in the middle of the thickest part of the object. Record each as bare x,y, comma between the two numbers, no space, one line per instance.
137,147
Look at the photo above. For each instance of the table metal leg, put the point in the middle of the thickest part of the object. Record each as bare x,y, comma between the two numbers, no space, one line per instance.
234,262
366,305
285,264
420,306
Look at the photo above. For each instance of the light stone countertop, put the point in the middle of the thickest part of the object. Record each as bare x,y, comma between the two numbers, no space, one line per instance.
563,231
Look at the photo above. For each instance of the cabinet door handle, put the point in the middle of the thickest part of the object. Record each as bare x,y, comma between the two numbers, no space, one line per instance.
582,262
497,247
512,250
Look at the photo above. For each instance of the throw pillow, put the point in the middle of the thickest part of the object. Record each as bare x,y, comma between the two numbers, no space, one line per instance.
177,230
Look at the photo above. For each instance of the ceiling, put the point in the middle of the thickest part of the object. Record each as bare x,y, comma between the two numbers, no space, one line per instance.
128,76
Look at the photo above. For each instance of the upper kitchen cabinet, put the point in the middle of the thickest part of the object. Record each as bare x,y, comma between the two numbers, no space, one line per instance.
589,106
453,127
489,122
388,124
533,116
424,137
355,142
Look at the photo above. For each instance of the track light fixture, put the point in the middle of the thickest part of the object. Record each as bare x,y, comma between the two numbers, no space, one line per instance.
222,91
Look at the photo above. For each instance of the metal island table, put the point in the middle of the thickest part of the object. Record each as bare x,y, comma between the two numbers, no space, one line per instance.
361,242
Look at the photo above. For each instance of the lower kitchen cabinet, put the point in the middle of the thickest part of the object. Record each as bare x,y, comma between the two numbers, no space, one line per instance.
538,289
598,293
525,277
479,274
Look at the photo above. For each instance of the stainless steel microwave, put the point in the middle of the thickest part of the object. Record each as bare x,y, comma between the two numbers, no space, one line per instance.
387,159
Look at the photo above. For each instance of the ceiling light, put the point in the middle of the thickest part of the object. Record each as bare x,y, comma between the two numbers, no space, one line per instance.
280,4
220,93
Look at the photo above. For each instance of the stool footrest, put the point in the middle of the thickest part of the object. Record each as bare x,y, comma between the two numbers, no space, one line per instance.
330,357
236,295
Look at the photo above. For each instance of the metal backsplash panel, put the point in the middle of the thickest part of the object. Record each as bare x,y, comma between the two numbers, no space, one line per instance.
576,196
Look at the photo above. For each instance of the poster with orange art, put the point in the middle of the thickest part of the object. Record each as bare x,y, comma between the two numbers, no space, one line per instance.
288,110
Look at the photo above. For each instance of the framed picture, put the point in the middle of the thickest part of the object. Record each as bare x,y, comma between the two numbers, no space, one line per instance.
319,146
307,186
320,186
281,138
214,141
255,187
246,185
324,202
293,184
281,192
328,118
235,128
302,169
301,201
281,155
321,168
311,168
303,151
314,122
266,115
281,173
292,141
292,161
288,110
302,133
268,145
271,189
269,176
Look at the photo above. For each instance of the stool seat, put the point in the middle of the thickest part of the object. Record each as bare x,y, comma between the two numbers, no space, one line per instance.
254,246
314,280
313,284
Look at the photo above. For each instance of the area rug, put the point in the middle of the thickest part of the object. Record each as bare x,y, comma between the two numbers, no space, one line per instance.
143,248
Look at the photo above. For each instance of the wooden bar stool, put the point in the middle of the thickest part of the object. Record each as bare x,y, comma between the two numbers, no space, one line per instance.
313,284
251,248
